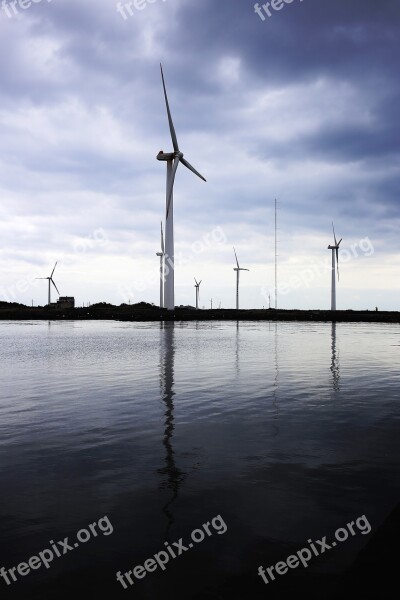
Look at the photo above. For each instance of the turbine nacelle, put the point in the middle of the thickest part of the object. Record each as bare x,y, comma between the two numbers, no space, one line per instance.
165,156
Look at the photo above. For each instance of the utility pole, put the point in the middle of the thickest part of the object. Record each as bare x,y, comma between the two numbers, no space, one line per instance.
276,259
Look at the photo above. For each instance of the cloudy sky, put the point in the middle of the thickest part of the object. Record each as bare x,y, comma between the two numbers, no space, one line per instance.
302,106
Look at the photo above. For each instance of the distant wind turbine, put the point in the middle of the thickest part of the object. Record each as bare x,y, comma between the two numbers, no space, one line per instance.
197,286
335,264
50,280
161,255
172,159
238,269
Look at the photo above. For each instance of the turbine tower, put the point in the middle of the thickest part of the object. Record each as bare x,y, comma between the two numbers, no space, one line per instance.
161,255
197,286
50,280
238,269
172,159
335,264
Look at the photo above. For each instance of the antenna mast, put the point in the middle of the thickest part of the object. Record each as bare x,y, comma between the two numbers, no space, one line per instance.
276,259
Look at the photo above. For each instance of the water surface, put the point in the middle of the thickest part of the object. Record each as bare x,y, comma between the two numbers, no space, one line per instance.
286,430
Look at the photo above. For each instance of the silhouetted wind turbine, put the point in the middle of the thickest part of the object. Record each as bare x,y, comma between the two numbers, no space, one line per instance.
335,264
50,280
172,159
161,255
238,269
197,286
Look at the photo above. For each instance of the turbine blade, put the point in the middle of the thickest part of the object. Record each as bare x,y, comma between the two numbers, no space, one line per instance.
162,240
334,234
195,281
171,124
189,166
237,262
53,270
55,287
200,282
171,183
244,269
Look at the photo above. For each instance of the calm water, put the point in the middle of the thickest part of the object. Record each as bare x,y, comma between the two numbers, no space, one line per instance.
288,431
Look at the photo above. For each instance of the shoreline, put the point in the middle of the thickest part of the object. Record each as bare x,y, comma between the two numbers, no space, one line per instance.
153,314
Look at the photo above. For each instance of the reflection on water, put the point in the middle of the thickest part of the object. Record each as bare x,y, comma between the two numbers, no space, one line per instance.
288,430
335,367
237,348
173,475
275,386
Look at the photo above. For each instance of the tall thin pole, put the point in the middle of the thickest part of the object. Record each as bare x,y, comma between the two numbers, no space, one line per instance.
276,259
333,293
161,280
169,296
237,289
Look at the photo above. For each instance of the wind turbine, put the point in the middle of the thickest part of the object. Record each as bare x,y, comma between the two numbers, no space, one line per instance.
50,280
161,255
197,286
172,159
335,264
238,269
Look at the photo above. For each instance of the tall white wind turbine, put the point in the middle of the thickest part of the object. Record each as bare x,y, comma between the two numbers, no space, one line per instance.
172,159
197,286
50,280
161,255
238,269
335,265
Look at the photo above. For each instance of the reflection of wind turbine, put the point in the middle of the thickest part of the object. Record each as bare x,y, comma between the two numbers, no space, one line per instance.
50,280
161,255
335,255
237,348
335,368
172,159
275,386
197,286
238,269
174,476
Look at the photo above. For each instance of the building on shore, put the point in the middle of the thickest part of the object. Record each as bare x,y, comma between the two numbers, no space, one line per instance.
64,302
